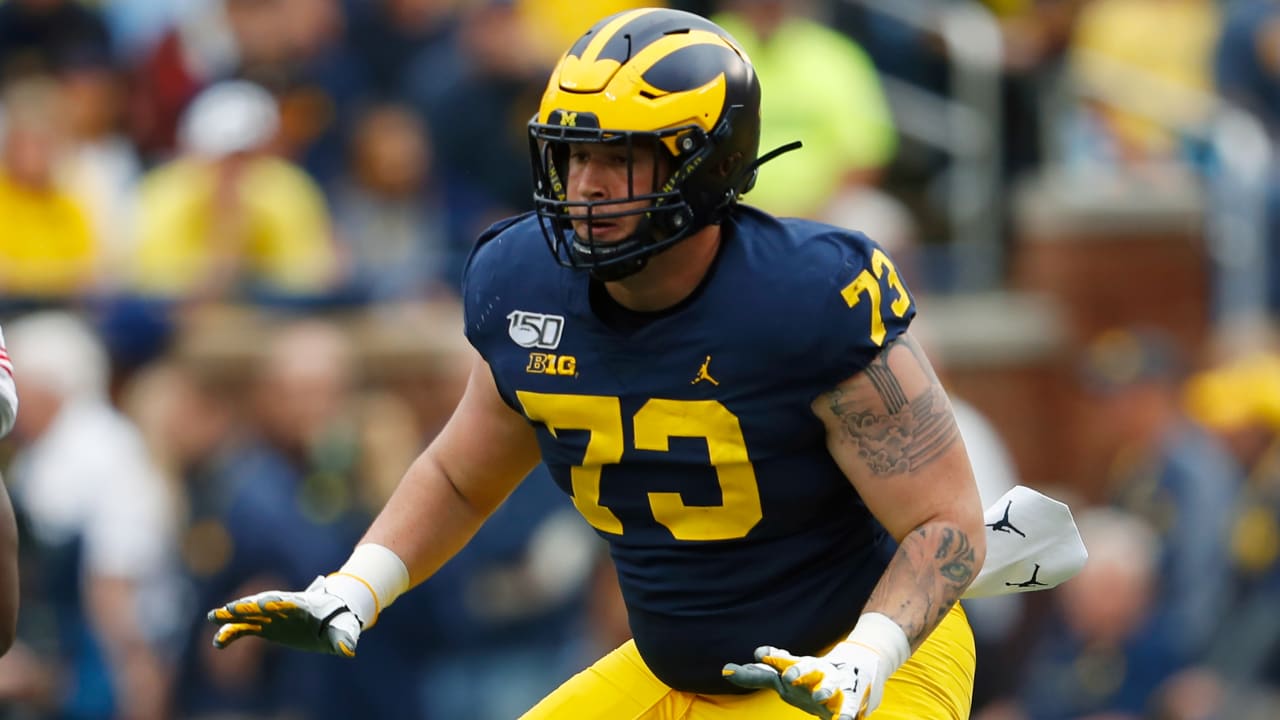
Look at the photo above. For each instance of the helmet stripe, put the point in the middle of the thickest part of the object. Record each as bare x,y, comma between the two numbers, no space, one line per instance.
669,97
646,29
598,41
673,49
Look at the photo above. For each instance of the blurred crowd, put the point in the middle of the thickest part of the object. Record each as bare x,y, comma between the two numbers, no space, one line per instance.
231,238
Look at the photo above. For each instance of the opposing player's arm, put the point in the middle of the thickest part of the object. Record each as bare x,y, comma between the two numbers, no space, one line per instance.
891,429
8,522
479,457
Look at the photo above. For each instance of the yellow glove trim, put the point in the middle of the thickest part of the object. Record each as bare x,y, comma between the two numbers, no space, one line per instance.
377,608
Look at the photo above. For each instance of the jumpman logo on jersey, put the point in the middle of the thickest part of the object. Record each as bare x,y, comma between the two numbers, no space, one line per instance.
1033,582
703,374
1003,525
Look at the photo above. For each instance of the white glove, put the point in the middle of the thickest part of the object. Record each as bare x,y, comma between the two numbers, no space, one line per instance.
844,684
314,619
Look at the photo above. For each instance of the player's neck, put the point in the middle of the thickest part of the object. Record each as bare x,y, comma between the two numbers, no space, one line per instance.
670,276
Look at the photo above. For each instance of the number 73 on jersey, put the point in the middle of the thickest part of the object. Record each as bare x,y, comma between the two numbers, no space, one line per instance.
868,282
659,420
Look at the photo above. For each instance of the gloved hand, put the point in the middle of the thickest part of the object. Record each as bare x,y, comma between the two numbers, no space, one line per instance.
844,684
314,620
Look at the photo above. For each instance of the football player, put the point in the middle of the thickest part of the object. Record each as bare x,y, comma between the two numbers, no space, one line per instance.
733,401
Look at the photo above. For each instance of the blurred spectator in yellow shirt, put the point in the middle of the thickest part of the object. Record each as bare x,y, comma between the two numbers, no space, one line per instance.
226,219
821,89
46,244
1146,66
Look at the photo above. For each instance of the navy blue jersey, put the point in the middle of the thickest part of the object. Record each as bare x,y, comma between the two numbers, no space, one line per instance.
689,442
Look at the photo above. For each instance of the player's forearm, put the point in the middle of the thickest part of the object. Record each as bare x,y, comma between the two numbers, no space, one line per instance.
424,523
427,520
468,470
933,566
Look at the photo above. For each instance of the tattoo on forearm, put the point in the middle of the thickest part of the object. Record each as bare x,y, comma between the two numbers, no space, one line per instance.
932,568
906,433
956,563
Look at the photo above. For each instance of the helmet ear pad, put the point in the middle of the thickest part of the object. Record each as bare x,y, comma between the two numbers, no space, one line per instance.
729,170
715,194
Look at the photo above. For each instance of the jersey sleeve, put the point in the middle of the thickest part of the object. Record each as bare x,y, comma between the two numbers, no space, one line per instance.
8,392
488,278
480,281
864,306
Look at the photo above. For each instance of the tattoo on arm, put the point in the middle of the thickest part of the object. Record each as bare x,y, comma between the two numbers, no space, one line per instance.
932,568
895,434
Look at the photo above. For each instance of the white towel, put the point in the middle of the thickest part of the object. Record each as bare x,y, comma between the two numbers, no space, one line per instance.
1032,544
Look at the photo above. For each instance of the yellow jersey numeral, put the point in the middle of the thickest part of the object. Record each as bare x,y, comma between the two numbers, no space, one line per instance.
655,424
870,284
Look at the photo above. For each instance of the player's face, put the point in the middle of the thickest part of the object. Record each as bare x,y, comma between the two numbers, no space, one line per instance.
599,173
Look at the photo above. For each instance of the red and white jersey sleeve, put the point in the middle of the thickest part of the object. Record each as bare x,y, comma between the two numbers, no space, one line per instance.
8,393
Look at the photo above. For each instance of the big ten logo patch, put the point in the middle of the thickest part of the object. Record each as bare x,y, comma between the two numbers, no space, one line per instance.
535,330
541,363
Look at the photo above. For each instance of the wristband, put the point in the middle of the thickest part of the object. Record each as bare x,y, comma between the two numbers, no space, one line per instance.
371,579
883,636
